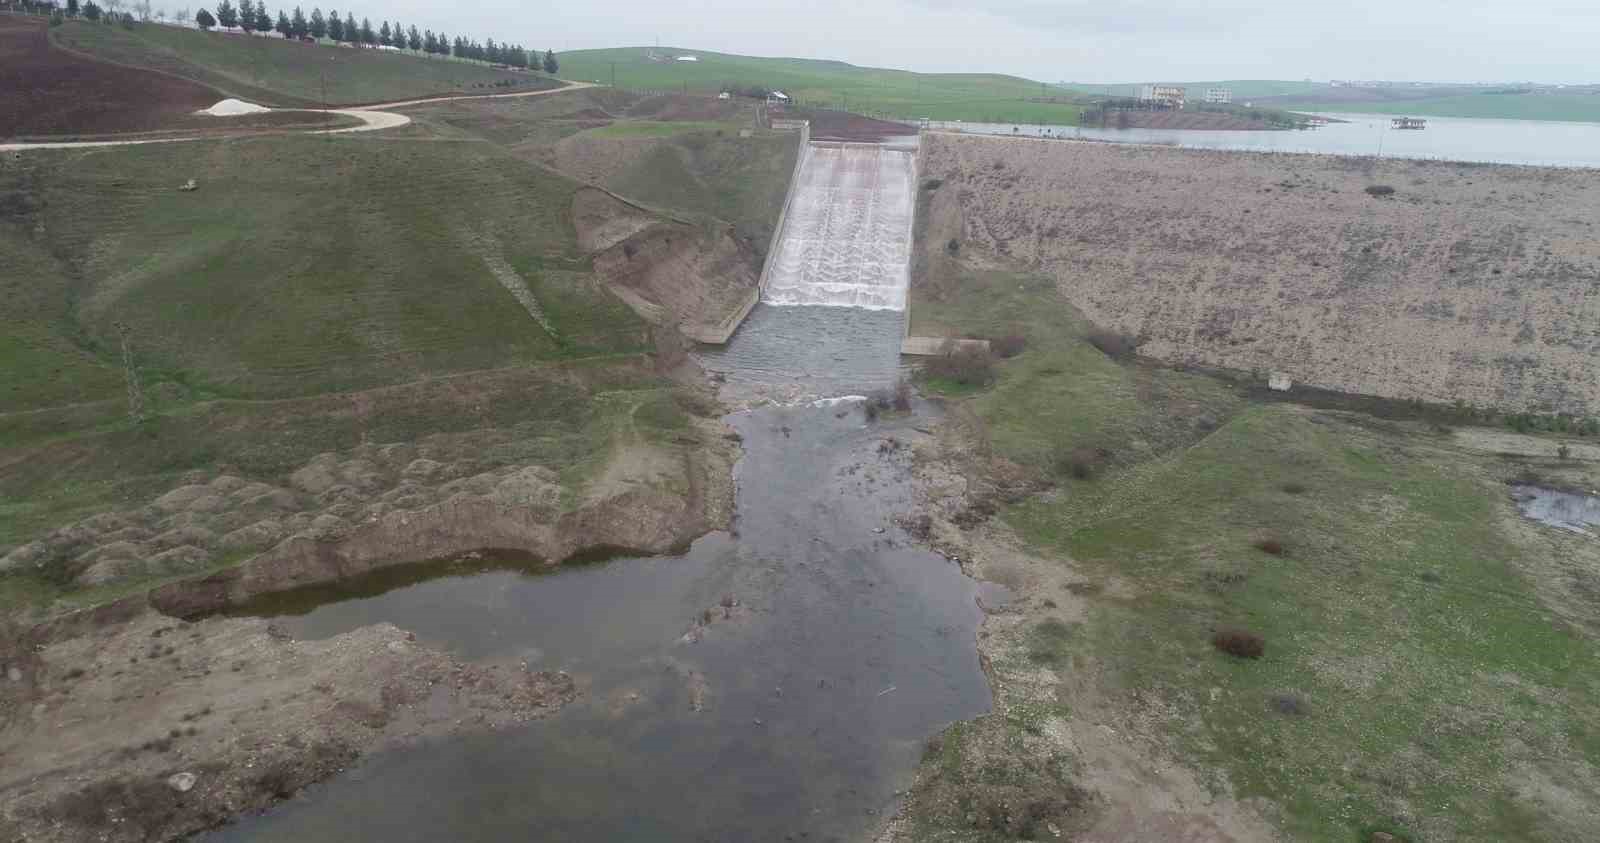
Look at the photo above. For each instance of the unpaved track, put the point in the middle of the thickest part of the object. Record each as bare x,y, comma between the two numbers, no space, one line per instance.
372,118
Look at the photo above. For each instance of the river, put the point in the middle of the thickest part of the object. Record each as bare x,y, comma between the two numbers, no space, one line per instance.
1531,142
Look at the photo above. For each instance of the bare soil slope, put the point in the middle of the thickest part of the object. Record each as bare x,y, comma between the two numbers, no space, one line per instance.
48,91
1469,282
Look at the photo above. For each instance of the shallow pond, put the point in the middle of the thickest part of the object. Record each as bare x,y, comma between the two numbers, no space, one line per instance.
1571,511
846,650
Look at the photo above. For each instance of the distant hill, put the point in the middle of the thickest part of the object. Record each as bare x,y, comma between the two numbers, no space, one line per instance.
864,90
274,71
1242,88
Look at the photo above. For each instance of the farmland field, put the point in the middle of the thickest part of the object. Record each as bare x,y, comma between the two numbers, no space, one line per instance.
830,84
273,71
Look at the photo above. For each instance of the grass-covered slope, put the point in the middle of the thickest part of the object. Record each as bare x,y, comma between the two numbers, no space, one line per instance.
1418,678
864,90
274,71
305,265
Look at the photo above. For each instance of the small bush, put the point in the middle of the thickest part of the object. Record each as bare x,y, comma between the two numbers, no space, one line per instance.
933,184
902,397
1563,450
1290,704
1114,345
1081,463
966,365
953,247
1380,190
1008,346
1293,488
1239,642
1272,546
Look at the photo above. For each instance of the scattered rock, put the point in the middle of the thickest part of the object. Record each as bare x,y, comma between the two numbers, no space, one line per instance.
317,477
263,533
422,469
1383,837
181,782
227,484
326,528
179,559
189,186
14,673
180,498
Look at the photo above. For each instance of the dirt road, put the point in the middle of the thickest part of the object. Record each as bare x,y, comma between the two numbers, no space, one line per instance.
372,118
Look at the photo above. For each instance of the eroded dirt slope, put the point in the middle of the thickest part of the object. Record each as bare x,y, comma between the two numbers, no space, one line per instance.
1470,282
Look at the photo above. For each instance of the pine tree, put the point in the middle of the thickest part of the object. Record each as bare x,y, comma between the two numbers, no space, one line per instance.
318,24
335,26
367,35
550,63
202,19
263,18
352,33
385,37
430,44
72,8
297,24
414,39
284,27
91,11
227,15
247,16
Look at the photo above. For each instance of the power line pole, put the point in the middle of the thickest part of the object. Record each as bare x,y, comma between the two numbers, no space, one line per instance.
135,393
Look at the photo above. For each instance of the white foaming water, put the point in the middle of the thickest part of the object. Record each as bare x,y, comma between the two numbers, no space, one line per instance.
847,237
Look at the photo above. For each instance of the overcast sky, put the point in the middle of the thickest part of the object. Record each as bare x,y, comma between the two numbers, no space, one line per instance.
1080,40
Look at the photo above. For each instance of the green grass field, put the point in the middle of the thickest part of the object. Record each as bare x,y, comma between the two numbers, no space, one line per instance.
1431,682
273,71
864,90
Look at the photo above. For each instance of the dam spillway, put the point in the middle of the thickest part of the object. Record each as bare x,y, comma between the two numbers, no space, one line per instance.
846,240
833,297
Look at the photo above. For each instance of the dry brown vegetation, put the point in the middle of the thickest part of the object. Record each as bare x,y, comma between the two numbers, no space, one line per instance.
1471,282
1239,642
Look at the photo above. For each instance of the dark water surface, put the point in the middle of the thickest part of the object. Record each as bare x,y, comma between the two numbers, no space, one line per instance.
848,649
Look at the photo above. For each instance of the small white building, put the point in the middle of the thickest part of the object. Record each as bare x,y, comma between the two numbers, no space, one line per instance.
1168,96
1219,96
777,100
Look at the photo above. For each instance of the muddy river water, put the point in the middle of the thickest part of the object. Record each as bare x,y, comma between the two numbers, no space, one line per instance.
775,682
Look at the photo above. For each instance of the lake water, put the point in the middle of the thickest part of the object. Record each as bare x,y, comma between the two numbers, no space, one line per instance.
1534,142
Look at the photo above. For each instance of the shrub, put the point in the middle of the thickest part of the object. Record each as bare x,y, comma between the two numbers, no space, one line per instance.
1272,546
953,247
1290,704
1114,345
902,397
966,365
1008,346
933,184
1563,450
1080,463
1239,642
1293,488
1380,190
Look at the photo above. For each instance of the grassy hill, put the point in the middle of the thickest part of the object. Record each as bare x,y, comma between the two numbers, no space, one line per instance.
864,90
274,71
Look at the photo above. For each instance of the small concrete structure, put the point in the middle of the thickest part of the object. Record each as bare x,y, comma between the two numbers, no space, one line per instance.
1279,382
935,346
1219,96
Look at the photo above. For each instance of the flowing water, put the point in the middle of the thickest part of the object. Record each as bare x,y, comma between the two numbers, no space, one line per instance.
1535,142
800,711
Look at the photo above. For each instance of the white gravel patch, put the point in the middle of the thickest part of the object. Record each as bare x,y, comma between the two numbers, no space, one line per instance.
234,108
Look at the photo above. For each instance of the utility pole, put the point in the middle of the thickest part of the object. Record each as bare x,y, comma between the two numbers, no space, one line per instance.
135,393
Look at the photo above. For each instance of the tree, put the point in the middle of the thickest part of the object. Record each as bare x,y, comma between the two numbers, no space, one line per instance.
550,63
204,20
263,19
367,35
72,8
227,15
284,27
430,44
319,24
414,39
335,26
297,24
91,11
247,16
385,37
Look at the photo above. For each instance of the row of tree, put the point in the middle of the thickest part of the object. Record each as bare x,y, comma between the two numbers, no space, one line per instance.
253,17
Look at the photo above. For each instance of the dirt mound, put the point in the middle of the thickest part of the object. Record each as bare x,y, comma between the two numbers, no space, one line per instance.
599,160
45,90
693,278
684,107
603,221
844,126
1470,282
1188,120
